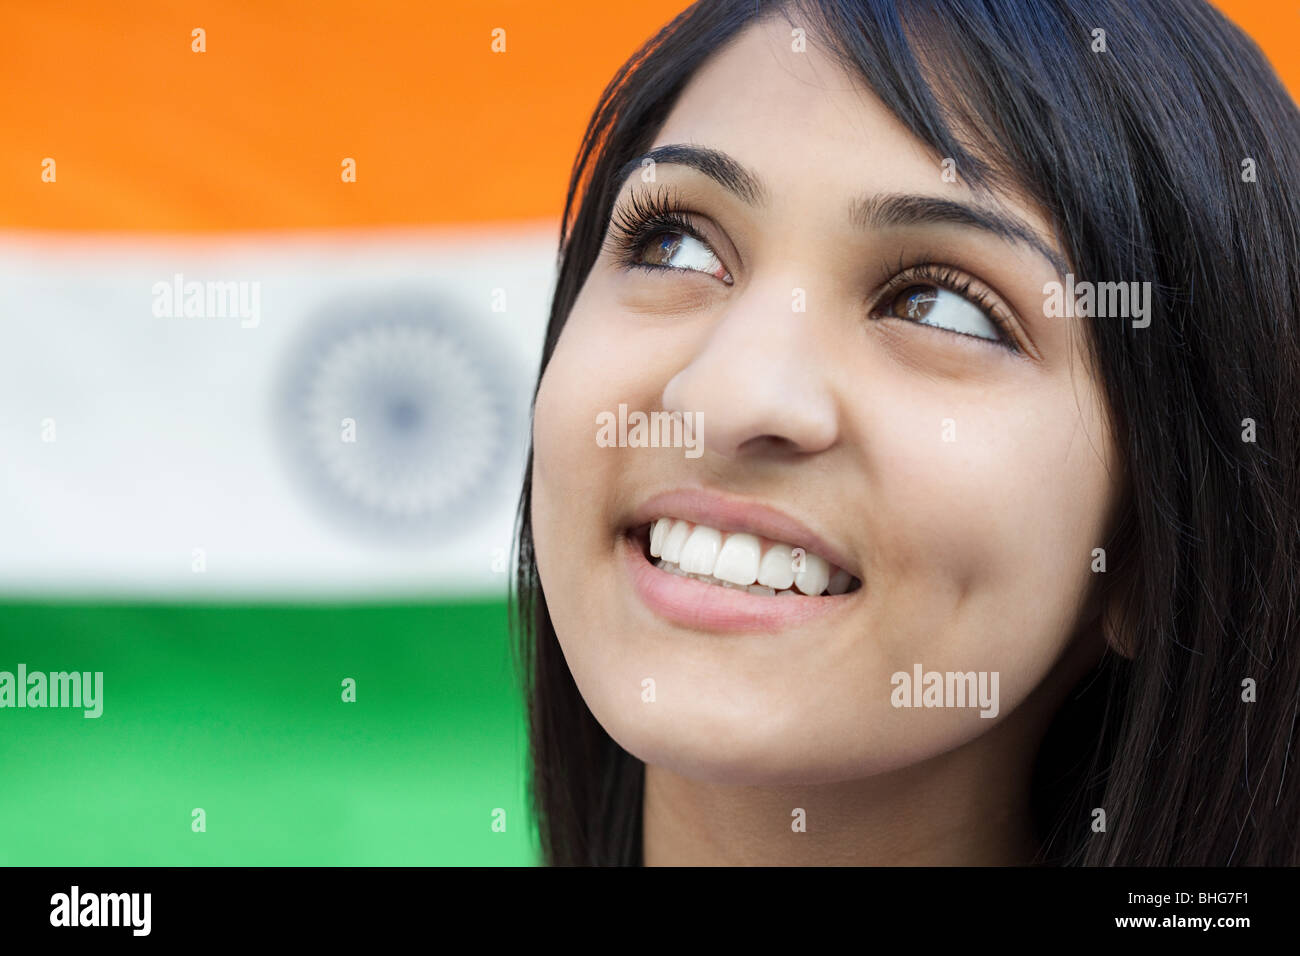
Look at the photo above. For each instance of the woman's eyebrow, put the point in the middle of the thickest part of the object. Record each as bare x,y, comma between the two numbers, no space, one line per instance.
911,209
717,165
881,210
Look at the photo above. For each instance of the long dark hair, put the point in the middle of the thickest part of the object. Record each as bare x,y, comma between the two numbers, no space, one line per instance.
1167,158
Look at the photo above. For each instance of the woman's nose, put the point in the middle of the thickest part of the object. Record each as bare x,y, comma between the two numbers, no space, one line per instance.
759,380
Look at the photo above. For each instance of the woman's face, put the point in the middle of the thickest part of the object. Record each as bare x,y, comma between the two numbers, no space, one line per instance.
861,345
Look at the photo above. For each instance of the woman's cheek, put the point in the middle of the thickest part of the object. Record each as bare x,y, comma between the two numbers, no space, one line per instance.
569,466
567,399
559,444
966,533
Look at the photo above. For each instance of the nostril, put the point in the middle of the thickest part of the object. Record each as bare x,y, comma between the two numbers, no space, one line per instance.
775,445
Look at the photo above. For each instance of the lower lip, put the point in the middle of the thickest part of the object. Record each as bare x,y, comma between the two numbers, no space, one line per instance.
711,607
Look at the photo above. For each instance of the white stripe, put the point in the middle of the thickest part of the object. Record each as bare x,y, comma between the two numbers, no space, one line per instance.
165,428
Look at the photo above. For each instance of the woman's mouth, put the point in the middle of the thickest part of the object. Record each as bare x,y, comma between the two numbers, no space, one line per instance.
695,579
740,560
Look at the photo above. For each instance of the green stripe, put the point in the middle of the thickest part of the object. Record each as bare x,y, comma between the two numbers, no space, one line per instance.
238,710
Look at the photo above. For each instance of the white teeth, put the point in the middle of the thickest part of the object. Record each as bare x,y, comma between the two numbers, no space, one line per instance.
673,541
814,577
700,552
657,534
776,570
839,582
738,560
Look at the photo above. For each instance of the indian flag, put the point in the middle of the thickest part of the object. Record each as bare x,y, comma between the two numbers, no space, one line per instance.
274,285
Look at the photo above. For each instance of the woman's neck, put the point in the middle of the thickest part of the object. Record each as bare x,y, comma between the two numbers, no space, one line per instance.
958,809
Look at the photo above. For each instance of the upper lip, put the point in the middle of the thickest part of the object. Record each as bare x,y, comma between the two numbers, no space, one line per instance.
727,513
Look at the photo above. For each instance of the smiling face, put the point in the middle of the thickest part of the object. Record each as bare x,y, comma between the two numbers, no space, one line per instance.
863,346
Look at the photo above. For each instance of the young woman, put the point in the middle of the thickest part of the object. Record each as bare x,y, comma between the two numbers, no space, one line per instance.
967,530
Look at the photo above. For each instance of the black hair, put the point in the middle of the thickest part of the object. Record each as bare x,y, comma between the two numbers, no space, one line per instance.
1164,157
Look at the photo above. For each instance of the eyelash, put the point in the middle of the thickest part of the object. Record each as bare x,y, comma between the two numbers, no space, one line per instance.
954,281
646,215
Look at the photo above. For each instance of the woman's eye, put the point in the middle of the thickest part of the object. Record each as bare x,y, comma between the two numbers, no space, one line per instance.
678,250
944,309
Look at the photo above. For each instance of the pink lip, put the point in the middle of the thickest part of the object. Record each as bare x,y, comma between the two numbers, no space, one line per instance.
729,514
708,607
701,606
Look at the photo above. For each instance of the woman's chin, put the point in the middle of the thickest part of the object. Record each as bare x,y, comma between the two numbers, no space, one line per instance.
727,750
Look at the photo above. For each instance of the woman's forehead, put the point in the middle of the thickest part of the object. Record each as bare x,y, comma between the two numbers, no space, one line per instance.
814,135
